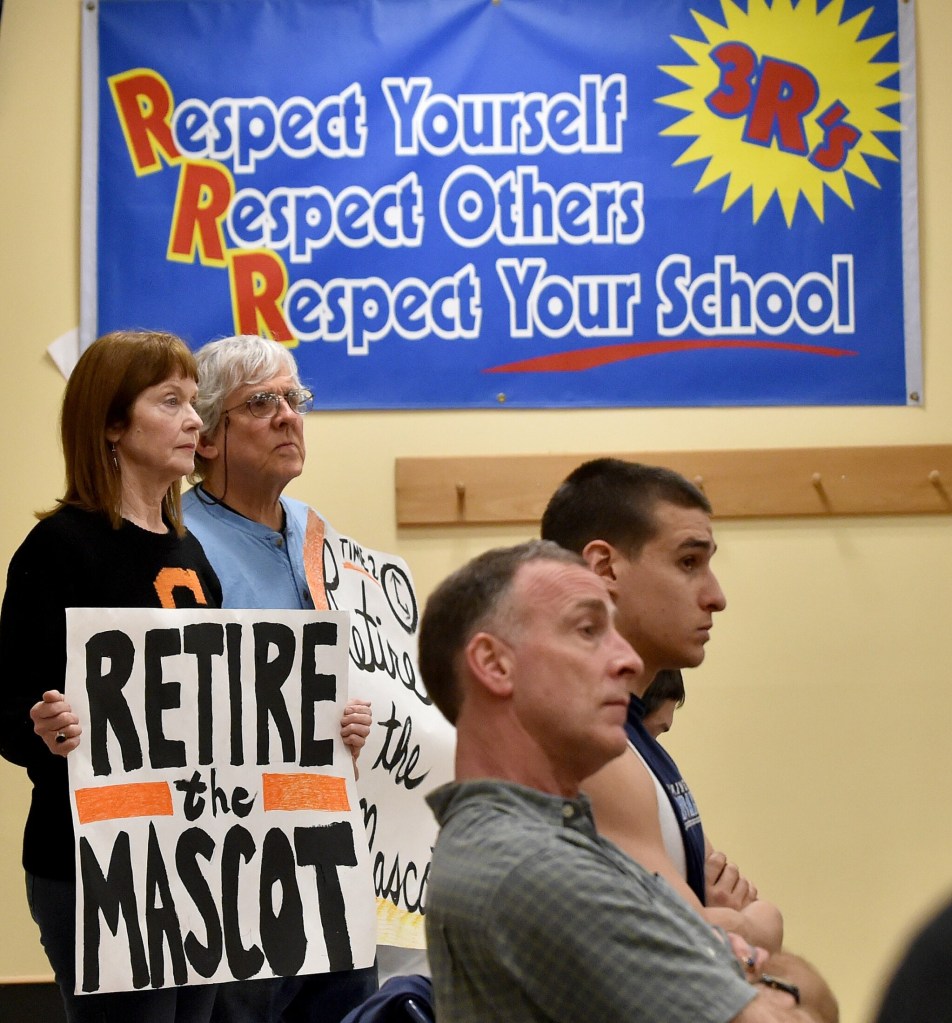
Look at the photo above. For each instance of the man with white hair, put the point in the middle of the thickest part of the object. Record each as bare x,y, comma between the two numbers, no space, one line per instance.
266,549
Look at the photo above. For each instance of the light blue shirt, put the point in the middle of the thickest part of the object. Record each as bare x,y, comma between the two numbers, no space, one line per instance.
258,566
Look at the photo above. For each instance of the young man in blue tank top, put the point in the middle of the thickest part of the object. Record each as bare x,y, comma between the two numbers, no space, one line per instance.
647,532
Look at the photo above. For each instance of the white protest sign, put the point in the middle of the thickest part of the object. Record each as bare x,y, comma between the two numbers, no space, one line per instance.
411,745
218,828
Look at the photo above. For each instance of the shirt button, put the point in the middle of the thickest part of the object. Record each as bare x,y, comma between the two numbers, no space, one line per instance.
279,542
568,811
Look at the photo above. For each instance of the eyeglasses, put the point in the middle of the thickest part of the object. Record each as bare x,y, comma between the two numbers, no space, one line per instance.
265,404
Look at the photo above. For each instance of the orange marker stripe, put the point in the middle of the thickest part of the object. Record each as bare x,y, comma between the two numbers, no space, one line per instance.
314,560
362,571
110,802
304,792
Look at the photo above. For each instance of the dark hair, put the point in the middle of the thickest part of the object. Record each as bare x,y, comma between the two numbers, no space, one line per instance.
614,500
463,604
668,684
100,393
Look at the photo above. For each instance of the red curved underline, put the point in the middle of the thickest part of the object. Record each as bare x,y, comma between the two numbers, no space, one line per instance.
588,358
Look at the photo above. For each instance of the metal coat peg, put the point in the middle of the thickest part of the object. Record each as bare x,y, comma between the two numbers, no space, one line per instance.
817,480
935,478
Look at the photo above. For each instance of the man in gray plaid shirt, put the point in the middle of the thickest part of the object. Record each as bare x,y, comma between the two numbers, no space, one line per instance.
531,915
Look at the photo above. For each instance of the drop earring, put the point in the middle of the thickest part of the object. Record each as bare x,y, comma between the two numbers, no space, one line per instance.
115,458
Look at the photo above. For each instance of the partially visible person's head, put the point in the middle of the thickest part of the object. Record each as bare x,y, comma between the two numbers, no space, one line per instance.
920,990
470,600
229,363
250,397
614,500
647,531
102,389
527,634
661,699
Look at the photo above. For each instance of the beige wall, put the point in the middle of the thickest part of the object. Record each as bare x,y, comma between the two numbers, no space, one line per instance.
816,735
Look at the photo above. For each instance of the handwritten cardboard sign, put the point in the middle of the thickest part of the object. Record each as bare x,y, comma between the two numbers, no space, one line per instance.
218,829
411,745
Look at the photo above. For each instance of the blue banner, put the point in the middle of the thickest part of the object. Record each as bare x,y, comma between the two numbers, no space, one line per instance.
536,203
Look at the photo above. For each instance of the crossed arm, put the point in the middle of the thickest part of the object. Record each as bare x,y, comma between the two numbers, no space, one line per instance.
626,812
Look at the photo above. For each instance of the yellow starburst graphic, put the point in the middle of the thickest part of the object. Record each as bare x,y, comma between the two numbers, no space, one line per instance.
784,99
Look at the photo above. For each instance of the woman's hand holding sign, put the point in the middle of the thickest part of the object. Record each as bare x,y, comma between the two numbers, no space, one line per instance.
355,727
55,723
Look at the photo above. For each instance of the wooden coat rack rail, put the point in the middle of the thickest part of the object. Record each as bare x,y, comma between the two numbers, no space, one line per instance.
756,483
